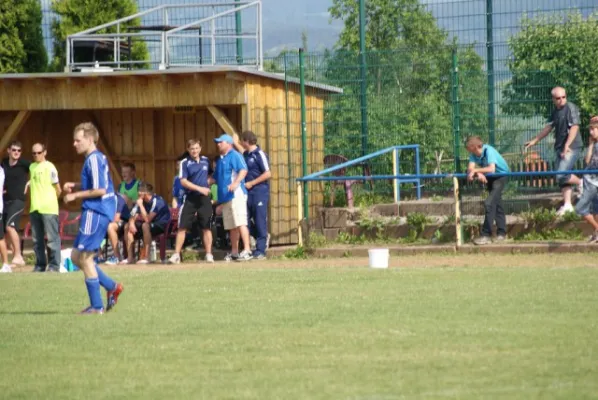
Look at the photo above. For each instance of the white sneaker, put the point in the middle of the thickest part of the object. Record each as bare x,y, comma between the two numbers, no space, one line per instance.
209,258
565,209
6,269
174,259
245,256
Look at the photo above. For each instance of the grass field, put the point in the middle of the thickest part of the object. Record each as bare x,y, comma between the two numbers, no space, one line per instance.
468,327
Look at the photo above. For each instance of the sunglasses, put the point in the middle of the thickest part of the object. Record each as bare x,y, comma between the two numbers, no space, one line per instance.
560,98
37,153
15,150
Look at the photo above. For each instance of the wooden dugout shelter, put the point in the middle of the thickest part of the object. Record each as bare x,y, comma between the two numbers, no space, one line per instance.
145,117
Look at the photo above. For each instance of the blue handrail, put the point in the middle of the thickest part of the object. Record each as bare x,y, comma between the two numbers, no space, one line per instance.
316,176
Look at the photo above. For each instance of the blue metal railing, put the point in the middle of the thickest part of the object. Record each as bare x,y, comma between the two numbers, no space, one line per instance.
317,176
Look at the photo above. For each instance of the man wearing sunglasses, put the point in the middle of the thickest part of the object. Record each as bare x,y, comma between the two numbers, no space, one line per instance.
16,172
45,189
565,121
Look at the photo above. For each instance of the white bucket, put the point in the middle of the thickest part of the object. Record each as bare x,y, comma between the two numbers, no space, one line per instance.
378,258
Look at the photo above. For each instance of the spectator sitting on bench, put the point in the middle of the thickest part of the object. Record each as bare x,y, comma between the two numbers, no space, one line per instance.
154,215
116,229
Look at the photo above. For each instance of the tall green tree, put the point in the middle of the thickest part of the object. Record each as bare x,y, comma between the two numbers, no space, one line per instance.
21,39
409,74
78,15
551,51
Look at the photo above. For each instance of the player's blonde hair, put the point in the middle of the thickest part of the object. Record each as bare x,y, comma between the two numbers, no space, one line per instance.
89,130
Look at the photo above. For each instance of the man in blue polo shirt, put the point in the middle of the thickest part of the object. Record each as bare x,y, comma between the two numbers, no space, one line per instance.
154,217
257,183
230,174
194,172
485,159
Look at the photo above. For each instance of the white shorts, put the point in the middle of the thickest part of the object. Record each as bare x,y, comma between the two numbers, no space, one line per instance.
234,213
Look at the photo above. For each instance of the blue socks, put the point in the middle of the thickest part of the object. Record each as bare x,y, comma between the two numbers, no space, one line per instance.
106,282
93,290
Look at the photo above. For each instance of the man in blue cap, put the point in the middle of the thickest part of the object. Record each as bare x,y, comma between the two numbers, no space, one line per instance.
230,178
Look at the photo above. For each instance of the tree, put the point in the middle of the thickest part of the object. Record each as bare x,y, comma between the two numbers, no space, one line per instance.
79,15
409,82
21,40
553,51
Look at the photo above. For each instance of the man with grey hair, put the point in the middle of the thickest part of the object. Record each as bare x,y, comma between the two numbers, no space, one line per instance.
565,121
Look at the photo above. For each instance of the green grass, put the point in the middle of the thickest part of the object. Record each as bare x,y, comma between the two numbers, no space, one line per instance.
307,333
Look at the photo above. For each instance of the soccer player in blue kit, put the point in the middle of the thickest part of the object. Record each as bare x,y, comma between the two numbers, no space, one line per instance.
99,206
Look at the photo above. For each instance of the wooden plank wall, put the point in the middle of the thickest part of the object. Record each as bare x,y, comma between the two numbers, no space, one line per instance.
278,128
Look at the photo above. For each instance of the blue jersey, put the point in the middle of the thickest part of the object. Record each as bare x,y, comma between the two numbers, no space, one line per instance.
227,170
196,172
96,175
155,205
178,191
121,208
257,163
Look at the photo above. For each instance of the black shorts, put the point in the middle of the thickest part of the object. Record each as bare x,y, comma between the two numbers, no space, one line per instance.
155,229
12,213
120,231
195,206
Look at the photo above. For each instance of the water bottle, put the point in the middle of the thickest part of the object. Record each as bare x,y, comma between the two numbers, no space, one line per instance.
153,254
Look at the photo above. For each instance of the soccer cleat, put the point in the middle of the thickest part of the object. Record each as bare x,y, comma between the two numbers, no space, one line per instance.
174,259
244,256
112,261
482,240
231,257
112,296
6,269
91,310
209,258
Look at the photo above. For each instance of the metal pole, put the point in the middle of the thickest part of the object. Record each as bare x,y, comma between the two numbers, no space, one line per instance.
456,111
363,80
395,172
213,32
303,131
300,185
490,70
458,230
68,54
288,121
239,30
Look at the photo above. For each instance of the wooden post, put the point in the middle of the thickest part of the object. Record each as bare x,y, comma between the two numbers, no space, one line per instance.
299,212
395,172
14,129
457,212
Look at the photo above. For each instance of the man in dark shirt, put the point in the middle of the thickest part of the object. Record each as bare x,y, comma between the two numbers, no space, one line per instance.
154,216
116,229
565,121
194,172
257,183
17,174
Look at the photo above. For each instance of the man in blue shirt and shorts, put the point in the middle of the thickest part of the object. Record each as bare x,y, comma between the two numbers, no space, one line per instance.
230,174
116,229
99,206
485,159
195,172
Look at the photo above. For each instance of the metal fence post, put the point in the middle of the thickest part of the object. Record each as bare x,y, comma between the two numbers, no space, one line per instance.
239,32
456,111
395,172
490,72
303,131
363,80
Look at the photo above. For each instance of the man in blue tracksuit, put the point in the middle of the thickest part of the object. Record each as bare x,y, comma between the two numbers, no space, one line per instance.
257,183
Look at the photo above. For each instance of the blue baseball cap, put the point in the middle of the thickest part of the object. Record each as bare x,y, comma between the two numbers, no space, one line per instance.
225,138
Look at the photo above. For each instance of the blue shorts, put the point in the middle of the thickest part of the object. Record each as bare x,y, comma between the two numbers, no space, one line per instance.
92,231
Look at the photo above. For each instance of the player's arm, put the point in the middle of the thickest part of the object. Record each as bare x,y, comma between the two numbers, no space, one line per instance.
572,135
55,182
237,144
116,217
590,151
241,168
543,133
266,173
174,203
196,188
490,169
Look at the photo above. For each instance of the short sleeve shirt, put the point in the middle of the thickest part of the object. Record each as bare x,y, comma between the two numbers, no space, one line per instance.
490,156
257,163
155,205
561,121
178,191
96,175
43,194
196,172
16,177
228,168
